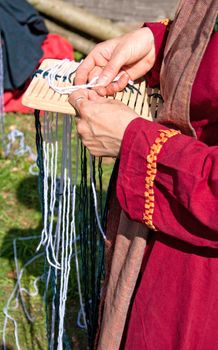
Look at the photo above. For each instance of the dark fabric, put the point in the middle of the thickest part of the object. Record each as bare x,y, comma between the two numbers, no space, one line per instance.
22,32
54,46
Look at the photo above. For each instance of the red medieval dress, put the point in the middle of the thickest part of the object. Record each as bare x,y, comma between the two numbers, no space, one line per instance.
175,306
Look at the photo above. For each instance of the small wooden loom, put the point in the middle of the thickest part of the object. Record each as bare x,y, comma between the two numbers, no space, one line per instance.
40,96
72,197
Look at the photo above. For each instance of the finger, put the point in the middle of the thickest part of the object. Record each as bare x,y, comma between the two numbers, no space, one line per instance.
102,91
122,82
77,118
94,59
78,98
118,85
112,69
113,87
141,67
83,129
95,97
95,73
83,70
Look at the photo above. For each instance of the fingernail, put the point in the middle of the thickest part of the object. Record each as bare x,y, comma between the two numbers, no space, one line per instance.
103,81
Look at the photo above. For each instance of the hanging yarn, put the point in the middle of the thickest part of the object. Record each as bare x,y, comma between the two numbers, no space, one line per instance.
18,293
71,196
67,211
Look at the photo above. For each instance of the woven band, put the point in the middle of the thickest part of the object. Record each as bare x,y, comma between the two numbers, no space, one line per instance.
151,174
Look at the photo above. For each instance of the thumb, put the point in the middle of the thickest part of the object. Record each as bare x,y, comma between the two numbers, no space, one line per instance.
77,99
112,69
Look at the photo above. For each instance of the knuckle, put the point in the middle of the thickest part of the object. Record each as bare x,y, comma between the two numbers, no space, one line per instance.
79,129
84,110
85,143
80,106
109,70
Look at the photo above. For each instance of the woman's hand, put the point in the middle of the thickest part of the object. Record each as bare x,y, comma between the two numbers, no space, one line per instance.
131,56
102,122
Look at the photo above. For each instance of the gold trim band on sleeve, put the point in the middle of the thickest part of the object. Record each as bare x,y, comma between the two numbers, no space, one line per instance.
151,174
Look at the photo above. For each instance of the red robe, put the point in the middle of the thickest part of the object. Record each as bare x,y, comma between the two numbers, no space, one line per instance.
176,301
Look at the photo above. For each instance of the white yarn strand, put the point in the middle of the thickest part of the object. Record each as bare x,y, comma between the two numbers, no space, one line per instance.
70,68
73,227
60,238
63,243
53,170
95,199
18,291
60,330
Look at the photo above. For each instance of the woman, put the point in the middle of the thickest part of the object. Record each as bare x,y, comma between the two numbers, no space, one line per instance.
166,295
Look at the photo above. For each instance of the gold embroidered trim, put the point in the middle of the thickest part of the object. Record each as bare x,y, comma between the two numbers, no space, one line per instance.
151,174
165,21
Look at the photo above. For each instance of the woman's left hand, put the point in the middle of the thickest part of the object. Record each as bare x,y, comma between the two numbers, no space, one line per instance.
101,122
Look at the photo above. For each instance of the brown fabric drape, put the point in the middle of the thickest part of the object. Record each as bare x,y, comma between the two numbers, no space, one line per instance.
188,39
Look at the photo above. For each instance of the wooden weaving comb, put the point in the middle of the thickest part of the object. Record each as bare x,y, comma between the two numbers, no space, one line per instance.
39,95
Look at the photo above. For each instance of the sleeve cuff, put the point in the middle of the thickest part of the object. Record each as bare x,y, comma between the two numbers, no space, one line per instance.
160,32
138,138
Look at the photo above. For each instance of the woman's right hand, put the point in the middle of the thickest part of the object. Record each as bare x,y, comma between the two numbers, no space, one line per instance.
130,56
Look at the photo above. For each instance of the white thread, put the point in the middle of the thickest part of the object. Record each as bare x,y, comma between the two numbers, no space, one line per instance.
60,331
53,169
19,282
46,237
73,227
16,289
57,242
95,200
22,149
66,269
71,67
36,289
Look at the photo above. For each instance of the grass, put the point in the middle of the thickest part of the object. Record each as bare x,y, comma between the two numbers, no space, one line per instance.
20,216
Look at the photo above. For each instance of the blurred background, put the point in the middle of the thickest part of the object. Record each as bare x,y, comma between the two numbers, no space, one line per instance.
129,10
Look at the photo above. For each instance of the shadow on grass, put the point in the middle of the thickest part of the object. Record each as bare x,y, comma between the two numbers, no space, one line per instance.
8,347
27,196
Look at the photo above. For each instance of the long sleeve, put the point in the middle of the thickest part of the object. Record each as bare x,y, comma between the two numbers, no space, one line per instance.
185,186
160,31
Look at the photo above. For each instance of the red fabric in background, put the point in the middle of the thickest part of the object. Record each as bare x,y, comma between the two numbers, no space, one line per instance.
54,46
